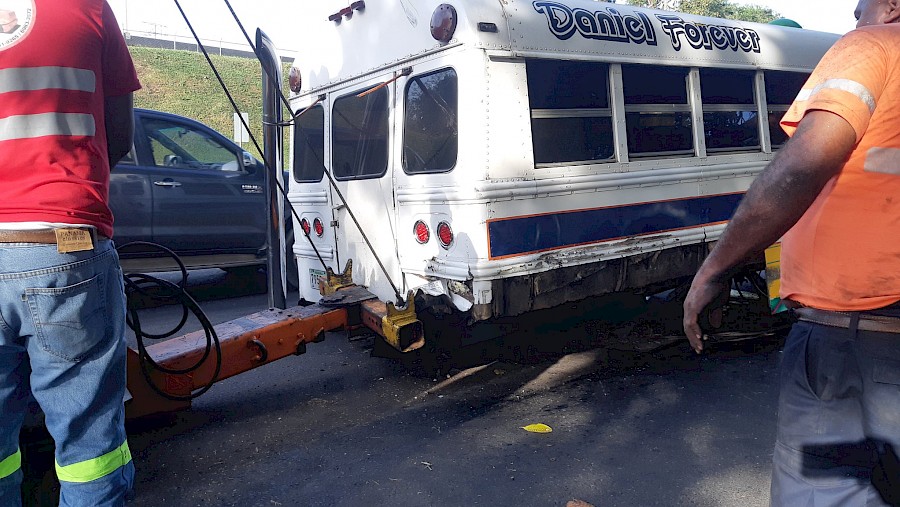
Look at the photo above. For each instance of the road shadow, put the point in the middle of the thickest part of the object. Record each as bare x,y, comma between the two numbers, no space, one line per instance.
626,328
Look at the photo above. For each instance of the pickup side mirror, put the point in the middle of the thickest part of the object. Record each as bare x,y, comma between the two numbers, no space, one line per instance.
249,161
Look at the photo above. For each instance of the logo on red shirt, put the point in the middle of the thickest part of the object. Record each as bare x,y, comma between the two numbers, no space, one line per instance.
16,21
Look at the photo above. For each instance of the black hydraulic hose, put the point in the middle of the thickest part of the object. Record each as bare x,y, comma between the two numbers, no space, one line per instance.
234,106
331,180
139,286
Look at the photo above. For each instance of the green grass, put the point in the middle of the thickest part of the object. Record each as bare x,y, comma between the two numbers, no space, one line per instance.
182,82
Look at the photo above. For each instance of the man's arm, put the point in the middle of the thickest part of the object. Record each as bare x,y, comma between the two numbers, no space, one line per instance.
776,200
119,114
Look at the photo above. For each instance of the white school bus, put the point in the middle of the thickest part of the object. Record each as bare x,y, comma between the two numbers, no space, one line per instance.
507,156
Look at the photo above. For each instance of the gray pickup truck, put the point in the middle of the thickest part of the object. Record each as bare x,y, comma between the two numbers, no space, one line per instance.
192,190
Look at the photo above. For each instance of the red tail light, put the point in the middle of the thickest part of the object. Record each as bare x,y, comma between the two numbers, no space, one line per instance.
304,224
445,234
319,227
420,229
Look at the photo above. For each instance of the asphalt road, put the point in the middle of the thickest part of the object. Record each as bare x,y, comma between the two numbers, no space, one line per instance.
338,427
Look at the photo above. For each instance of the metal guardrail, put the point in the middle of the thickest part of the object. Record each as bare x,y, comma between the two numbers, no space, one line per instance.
186,43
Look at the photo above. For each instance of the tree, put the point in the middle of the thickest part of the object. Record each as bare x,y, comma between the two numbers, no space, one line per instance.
755,13
715,8
666,5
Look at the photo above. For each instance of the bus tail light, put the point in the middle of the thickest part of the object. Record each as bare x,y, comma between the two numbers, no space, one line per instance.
420,229
319,227
445,234
304,224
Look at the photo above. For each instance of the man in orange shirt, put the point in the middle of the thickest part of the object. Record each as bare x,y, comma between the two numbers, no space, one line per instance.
833,192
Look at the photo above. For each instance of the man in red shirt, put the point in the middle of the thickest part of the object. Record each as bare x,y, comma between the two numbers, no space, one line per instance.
833,192
66,83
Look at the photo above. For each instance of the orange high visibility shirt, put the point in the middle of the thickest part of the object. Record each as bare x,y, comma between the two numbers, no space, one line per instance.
844,253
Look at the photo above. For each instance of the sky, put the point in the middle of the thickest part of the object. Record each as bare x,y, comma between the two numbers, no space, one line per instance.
213,22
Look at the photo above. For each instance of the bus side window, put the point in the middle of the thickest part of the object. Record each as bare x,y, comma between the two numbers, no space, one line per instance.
571,118
781,89
657,111
729,110
430,126
309,146
359,135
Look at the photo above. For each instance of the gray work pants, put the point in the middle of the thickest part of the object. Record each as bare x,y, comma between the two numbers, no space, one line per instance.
838,419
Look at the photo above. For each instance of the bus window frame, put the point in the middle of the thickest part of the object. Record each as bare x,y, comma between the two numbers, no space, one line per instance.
777,108
325,142
664,108
563,113
374,89
403,145
752,107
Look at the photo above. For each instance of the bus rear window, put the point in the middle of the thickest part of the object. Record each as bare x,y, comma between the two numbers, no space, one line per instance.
430,130
309,146
571,118
360,135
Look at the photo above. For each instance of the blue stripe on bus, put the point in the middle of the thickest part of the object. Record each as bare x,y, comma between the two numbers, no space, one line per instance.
535,233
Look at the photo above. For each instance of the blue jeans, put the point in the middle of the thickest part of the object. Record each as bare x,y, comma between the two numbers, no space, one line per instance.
838,419
65,315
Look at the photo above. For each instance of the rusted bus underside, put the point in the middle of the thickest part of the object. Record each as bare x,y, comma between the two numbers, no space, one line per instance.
643,273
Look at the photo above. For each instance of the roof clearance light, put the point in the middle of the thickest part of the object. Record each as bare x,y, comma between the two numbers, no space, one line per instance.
347,12
443,23
294,80
304,224
445,234
319,227
421,231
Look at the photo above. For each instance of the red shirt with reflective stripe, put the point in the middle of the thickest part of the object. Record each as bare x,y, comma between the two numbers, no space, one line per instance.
58,62
844,254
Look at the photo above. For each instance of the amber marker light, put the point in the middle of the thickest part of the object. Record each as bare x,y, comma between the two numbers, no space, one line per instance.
294,80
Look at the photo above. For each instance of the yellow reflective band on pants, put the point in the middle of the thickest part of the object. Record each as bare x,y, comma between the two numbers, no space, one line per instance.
10,464
93,469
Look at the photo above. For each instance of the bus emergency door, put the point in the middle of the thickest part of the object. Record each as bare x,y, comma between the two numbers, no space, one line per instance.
362,163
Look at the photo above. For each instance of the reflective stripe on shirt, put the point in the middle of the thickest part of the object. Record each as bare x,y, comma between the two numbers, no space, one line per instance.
847,85
883,160
47,78
29,126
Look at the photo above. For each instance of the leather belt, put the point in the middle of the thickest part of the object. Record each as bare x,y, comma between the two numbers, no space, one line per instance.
42,236
867,321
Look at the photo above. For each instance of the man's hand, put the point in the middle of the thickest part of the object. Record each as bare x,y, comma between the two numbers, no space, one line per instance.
706,295
773,204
